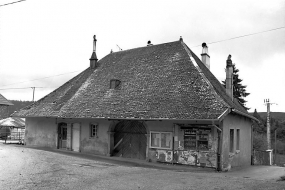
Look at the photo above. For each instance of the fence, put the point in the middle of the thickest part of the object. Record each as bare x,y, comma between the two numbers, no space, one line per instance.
261,157
15,135
279,159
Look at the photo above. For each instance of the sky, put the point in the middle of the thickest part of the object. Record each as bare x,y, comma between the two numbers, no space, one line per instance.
52,40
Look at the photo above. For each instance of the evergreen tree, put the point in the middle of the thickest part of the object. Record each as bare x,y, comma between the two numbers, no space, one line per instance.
239,90
259,127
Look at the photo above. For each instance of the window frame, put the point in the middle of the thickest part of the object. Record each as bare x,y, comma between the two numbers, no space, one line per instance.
159,147
91,130
115,84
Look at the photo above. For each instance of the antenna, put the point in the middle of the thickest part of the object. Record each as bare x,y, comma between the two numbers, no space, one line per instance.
120,49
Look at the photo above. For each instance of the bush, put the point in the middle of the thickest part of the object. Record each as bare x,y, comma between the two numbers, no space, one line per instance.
259,141
280,147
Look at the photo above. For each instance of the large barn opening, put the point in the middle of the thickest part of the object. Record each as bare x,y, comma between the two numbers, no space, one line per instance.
130,140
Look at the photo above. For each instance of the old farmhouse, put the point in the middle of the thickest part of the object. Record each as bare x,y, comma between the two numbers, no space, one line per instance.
157,103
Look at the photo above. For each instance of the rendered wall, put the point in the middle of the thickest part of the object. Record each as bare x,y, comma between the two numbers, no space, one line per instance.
41,132
242,156
159,126
90,145
95,145
179,154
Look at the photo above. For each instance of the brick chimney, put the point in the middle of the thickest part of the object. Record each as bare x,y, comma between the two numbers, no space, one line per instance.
229,79
205,56
93,59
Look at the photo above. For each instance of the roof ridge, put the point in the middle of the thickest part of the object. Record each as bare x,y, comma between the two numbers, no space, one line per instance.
153,45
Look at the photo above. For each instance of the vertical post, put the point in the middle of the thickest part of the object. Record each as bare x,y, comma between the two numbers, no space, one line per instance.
268,125
33,92
173,139
252,153
275,153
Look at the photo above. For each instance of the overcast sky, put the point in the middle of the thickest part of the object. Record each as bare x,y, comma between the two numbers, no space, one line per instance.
42,38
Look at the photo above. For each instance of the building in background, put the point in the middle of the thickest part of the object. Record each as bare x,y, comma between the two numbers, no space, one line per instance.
4,107
157,103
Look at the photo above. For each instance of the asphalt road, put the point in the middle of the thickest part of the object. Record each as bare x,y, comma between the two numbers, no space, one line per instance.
28,168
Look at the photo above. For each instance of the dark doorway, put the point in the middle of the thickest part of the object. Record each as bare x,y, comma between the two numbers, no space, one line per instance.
62,135
130,140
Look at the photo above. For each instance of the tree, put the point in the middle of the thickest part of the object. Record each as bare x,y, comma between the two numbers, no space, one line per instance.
259,127
239,90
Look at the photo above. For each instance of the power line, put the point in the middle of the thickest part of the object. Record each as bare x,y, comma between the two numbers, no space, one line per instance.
119,47
20,88
40,78
12,3
243,36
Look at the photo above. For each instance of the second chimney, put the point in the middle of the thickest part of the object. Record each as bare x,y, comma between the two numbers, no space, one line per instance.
93,59
205,56
229,79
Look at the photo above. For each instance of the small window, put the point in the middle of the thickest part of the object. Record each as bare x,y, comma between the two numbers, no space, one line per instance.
115,84
238,136
231,140
93,130
161,140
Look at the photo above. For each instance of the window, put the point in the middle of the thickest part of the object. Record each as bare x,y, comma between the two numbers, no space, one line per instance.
115,84
231,140
237,146
196,138
161,140
93,130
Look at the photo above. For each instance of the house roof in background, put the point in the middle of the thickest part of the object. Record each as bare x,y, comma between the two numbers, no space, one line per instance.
165,81
4,101
12,122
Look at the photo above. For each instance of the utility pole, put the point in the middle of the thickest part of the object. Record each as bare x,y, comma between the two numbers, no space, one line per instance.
34,88
267,103
33,92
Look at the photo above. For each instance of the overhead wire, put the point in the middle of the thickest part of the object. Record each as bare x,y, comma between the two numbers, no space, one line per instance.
12,3
41,78
242,36
191,47
20,88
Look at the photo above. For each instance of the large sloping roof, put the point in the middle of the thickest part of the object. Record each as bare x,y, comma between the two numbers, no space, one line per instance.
165,81
4,101
12,122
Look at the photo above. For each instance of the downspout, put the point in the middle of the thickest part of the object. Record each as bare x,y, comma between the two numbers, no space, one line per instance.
252,152
173,138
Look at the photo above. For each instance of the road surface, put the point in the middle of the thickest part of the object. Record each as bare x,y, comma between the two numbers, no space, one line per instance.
28,168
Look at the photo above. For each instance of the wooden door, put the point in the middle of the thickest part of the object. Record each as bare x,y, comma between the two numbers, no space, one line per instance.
62,135
76,137
130,140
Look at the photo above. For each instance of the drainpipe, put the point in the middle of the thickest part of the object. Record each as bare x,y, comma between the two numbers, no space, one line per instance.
252,156
173,138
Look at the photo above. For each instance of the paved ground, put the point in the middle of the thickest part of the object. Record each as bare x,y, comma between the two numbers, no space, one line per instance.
29,168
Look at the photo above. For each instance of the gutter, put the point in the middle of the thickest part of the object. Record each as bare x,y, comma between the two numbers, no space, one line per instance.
244,114
110,118
229,110
224,114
